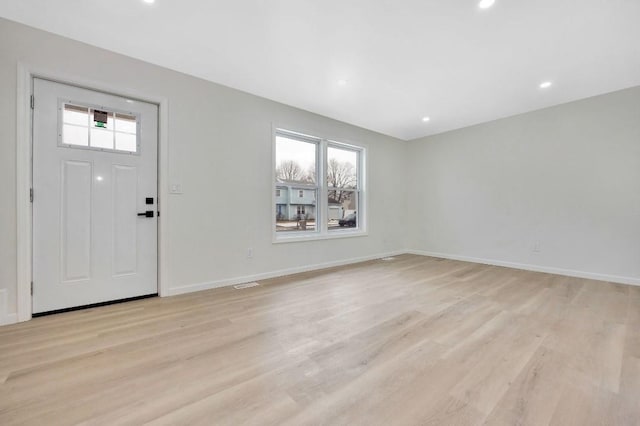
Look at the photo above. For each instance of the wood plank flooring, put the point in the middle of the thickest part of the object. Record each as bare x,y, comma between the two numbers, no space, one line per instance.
411,341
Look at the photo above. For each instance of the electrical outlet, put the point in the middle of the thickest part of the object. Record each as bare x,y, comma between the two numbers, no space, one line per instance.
250,253
175,188
536,247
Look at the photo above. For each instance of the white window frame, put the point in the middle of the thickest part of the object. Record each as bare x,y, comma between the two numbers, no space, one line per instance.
322,231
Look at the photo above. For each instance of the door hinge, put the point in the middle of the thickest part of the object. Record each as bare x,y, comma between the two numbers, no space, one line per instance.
33,101
31,195
32,288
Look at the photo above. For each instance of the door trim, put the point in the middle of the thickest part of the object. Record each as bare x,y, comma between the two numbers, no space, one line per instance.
24,213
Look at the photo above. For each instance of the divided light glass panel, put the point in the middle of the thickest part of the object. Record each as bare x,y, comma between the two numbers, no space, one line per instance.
75,125
126,132
104,130
101,133
342,188
296,190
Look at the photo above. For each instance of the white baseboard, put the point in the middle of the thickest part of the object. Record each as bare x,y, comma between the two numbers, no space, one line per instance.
535,268
5,317
273,274
9,319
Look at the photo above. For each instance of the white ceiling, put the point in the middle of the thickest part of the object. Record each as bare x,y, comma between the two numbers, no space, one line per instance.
402,59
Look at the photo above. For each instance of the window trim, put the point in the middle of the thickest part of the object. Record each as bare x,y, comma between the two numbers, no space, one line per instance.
322,231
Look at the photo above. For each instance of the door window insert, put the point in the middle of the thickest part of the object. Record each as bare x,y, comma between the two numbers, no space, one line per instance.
96,128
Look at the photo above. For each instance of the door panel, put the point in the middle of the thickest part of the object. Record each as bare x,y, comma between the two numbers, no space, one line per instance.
76,220
94,164
125,219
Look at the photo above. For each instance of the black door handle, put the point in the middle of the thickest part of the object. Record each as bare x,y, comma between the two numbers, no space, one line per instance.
148,213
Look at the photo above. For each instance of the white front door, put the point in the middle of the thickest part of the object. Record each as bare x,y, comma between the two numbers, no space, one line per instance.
94,173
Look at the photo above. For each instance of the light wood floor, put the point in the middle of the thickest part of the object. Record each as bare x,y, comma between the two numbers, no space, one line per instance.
415,340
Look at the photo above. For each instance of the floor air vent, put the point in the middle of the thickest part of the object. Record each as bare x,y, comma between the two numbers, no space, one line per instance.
245,285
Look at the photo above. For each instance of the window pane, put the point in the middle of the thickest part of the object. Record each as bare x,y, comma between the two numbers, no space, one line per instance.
76,115
295,161
75,135
126,123
126,142
101,119
295,213
342,210
342,169
101,138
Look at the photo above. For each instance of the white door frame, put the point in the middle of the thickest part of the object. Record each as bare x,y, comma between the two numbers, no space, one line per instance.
24,213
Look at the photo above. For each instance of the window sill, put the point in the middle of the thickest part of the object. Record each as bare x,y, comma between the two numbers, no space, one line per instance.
277,239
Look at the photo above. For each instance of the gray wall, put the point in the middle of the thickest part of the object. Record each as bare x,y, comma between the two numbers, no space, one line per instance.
220,143
565,179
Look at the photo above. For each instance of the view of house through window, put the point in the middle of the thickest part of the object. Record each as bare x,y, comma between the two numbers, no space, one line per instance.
306,168
296,184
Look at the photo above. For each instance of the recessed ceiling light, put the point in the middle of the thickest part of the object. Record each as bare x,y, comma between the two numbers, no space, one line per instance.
545,85
425,119
486,4
149,1
342,82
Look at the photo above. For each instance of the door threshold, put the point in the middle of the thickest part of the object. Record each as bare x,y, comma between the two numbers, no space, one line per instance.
93,305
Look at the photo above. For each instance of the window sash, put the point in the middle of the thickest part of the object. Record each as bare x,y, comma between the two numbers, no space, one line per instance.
347,147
